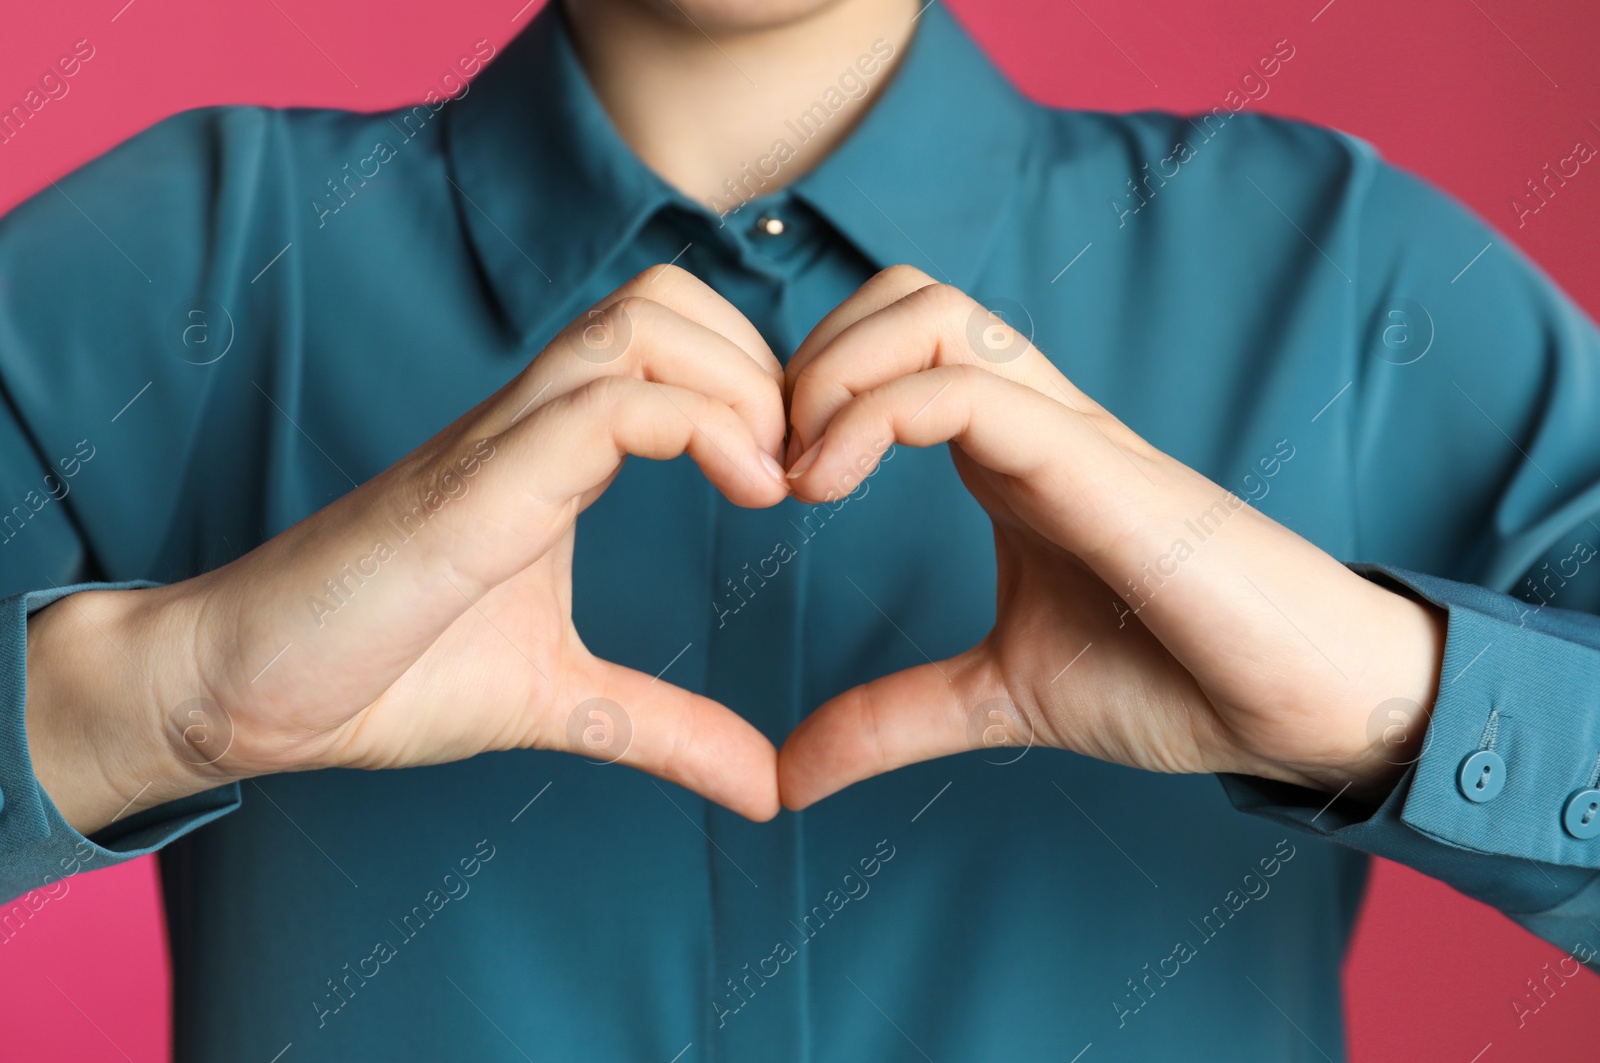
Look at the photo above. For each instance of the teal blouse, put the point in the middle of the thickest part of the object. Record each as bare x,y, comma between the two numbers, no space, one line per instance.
233,318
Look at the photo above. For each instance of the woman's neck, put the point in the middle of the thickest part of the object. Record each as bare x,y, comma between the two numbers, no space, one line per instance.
724,113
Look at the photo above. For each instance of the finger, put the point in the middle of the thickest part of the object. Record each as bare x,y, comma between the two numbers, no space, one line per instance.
1073,471
598,339
571,446
1002,425
900,719
884,288
670,348
935,325
682,292
408,552
675,735
693,298
586,434
639,337
1077,465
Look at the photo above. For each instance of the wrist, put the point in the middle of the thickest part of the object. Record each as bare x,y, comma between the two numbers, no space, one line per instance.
1376,729
1359,736
100,666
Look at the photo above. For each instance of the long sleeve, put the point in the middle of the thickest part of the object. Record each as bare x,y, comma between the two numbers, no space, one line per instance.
1474,440
102,396
37,846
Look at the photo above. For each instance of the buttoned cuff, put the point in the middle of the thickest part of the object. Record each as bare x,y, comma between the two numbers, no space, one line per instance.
37,846
1497,804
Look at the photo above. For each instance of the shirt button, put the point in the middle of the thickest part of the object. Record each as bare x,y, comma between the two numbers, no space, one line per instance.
1483,776
1582,817
770,225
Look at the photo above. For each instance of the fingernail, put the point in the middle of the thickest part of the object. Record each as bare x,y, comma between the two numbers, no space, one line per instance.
774,470
791,444
805,461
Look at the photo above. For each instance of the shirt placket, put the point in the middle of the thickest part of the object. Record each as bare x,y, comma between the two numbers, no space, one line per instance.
759,1008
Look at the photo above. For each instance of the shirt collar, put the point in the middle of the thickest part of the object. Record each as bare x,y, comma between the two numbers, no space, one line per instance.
928,175
549,191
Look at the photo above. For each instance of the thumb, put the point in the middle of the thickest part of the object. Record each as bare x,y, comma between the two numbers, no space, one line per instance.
698,743
932,710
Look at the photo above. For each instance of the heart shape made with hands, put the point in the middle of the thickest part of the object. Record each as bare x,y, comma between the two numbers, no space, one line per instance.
1251,651
1230,660
1220,652
1246,650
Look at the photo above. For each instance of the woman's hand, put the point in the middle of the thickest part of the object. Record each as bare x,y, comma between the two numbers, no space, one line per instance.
426,616
1244,649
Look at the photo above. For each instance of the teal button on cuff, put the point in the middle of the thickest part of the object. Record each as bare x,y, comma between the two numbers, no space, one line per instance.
1483,776
1582,815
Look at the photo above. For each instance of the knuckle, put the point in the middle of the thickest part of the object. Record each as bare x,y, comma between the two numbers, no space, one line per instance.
902,275
627,313
659,276
876,407
872,713
969,376
630,305
606,335
943,297
675,758
770,391
949,315
601,396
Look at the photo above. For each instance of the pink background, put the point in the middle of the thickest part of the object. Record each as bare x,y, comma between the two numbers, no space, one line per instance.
1476,95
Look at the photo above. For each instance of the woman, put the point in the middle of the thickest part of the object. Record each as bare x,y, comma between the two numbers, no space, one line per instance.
324,470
